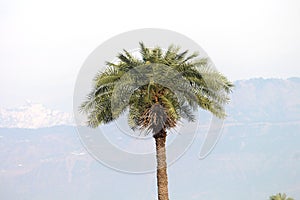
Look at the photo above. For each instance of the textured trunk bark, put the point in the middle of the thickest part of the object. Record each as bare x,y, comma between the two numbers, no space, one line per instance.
161,173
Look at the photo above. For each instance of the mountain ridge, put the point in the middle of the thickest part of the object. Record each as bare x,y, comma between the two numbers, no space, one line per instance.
252,100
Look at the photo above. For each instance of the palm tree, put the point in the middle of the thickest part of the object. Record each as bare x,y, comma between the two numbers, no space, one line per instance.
280,196
153,106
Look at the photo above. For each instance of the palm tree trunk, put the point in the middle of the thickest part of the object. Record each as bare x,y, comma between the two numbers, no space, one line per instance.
161,173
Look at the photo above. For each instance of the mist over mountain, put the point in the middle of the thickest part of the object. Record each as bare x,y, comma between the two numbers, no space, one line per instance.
265,100
253,100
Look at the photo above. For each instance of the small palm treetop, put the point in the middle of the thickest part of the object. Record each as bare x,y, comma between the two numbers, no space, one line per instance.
280,196
154,106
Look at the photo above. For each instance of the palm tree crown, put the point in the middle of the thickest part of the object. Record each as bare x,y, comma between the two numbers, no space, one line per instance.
154,105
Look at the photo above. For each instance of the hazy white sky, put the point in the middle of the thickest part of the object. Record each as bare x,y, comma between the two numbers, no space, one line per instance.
44,43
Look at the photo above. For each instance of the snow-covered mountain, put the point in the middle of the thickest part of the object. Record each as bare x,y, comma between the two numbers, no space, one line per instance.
33,115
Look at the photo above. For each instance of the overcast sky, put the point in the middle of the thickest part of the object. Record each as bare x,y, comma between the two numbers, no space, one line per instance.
44,43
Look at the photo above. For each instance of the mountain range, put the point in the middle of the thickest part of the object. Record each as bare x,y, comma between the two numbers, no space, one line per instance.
42,156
